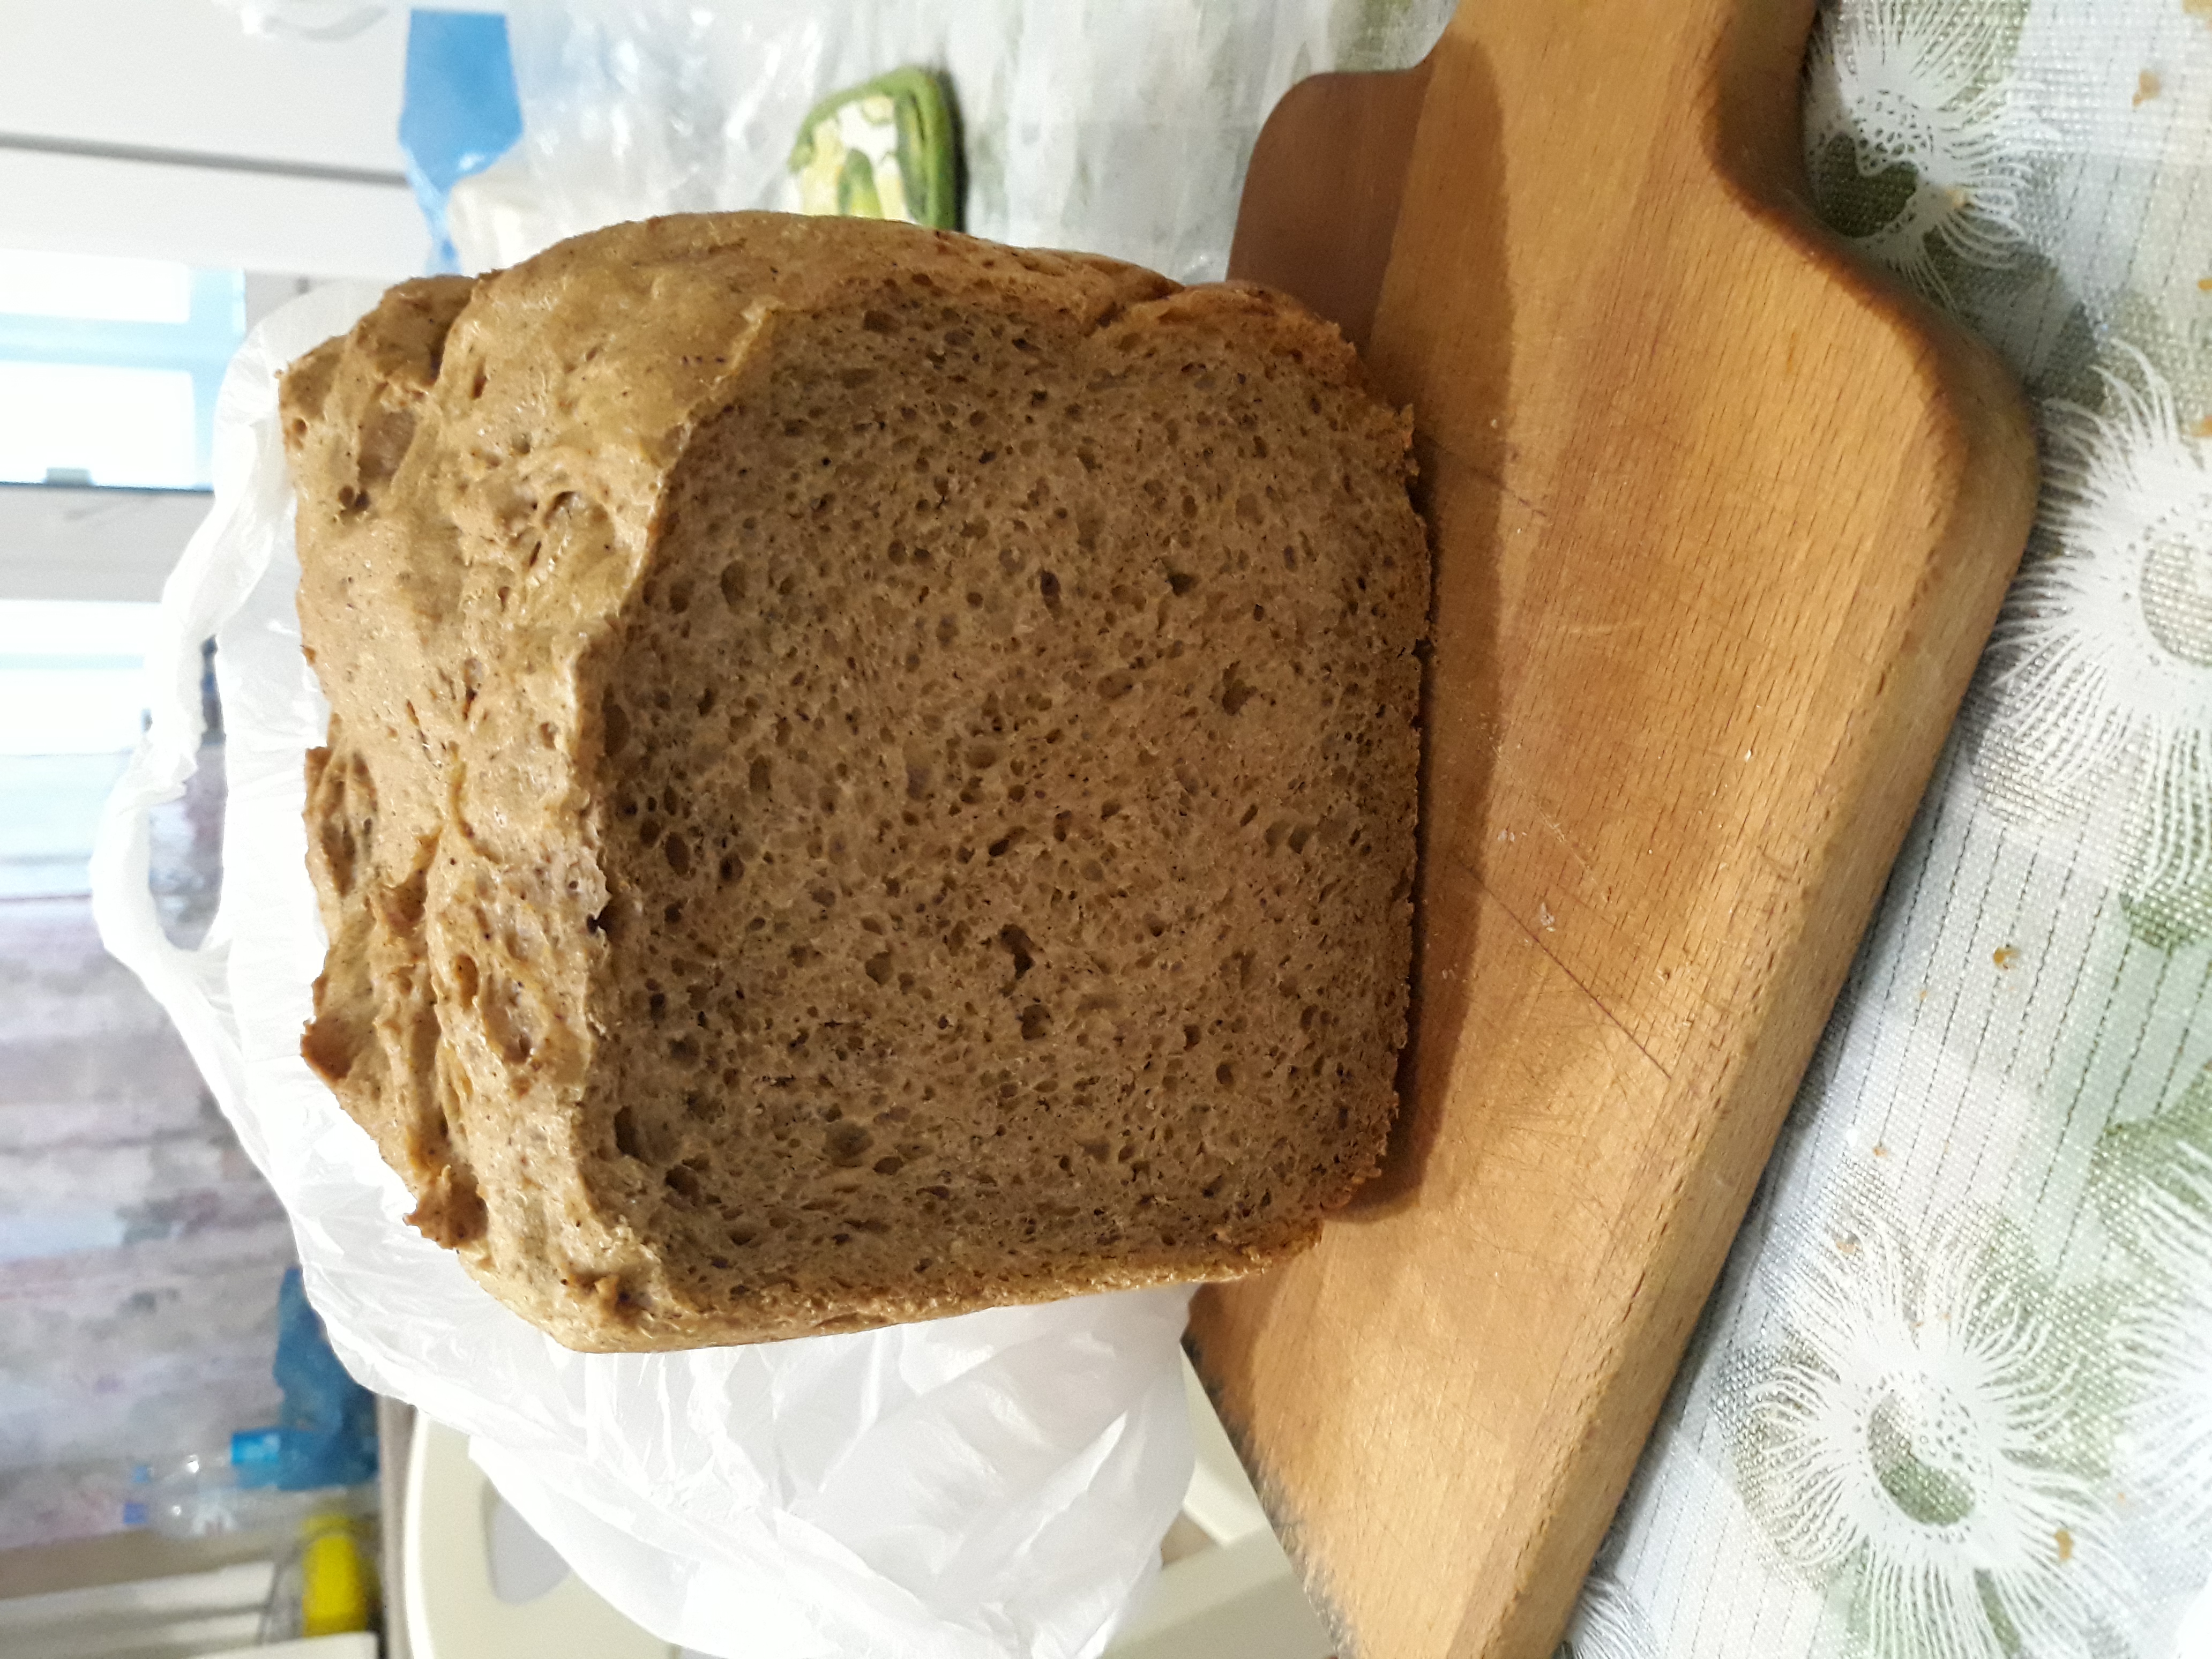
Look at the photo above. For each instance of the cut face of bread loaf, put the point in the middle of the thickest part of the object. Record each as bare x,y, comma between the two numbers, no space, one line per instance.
871,775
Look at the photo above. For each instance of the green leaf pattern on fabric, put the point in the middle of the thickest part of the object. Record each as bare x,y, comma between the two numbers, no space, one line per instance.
1953,1399
1908,138
2153,1184
2099,677
1905,1443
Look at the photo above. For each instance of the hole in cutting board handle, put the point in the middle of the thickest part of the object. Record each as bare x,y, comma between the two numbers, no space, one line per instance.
1320,198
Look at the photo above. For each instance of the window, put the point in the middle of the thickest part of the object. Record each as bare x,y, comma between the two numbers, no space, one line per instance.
137,1241
71,709
109,368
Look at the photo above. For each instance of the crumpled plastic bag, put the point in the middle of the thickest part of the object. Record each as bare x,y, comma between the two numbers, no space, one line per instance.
972,1488
1115,126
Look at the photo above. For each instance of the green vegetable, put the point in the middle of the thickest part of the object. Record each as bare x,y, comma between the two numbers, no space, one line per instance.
856,188
888,148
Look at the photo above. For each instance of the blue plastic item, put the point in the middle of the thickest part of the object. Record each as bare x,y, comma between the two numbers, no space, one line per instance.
256,1456
460,113
326,1433
324,1438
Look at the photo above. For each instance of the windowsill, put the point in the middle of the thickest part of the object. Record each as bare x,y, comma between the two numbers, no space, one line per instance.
92,541
95,492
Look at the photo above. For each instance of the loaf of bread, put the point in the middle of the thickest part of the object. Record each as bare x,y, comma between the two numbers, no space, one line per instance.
871,774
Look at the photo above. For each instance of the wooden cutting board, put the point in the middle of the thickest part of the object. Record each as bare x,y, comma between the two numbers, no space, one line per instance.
1722,522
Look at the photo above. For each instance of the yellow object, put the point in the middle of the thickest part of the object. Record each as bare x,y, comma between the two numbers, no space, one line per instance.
334,1585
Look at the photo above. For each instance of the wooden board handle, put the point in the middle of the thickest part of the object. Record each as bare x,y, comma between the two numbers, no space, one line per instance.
1720,523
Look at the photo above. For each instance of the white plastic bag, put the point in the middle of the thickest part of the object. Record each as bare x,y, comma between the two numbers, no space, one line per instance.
312,20
990,1485
1116,126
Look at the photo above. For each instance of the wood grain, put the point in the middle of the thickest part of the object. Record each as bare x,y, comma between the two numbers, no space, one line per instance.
1722,524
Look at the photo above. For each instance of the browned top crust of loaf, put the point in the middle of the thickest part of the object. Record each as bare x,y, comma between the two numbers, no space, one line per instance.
871,774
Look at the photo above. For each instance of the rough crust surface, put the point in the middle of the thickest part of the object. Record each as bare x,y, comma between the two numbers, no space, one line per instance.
871,774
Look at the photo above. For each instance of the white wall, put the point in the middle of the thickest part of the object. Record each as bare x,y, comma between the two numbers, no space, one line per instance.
160,128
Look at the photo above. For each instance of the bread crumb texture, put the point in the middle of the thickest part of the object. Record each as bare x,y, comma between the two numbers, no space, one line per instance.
871,774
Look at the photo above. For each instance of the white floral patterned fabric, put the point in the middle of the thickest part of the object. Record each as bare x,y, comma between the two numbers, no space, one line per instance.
1953,1399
